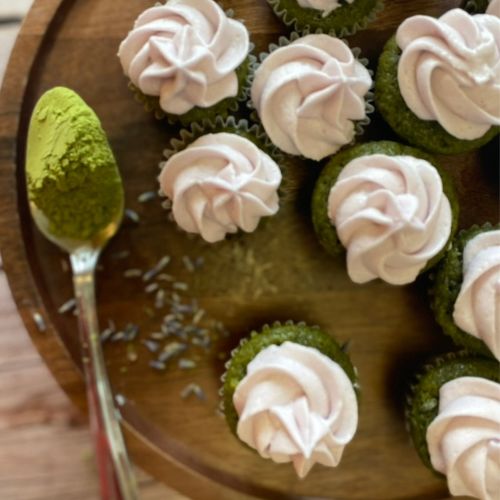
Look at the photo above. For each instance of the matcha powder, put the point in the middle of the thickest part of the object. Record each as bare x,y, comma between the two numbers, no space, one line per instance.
72,175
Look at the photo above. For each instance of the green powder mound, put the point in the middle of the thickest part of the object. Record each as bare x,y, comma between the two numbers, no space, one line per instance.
325,230
72,175
428,135
423,400
445,287
277,335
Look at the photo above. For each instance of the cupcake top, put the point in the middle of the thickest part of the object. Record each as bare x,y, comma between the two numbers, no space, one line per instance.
308,95
325,6
186,53
477,308
391,215
449,71
221,183
464,438
296,405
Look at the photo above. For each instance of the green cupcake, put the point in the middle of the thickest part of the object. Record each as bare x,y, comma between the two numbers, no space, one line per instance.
336,17
183,78
423,402
284,379
482,268
389,206
220,178
417,88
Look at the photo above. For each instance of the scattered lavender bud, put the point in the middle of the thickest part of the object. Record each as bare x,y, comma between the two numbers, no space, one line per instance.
131,331
157,365
198,316
132,353
151,345
160,299
106,334
132,215
178,285
152,287
157,336
68,306
39,322
193,389
171,350
132,273
120,399
146,196
165,277
188,264
186,364
117,336
158,268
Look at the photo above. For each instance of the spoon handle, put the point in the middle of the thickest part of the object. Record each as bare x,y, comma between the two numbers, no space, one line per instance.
115,470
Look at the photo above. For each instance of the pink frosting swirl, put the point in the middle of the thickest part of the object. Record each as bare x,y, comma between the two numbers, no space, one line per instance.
477,308
186,52
221,183
296,405
449,71
391,215
464,439
325,6
309,93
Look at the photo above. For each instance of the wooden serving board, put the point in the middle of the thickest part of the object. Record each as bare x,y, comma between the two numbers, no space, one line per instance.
277,273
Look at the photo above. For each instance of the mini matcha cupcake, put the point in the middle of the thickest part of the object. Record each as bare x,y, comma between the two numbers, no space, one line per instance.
312,95
437,91
389,206
220,178
187,61
336,17
465,293
289,392
453,416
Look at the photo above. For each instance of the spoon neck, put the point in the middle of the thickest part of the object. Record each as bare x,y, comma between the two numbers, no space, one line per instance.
84,261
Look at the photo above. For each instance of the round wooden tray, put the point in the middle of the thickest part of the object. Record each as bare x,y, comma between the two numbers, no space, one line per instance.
277,273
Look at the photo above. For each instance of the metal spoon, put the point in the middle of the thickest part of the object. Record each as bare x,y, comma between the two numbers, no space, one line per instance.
115,470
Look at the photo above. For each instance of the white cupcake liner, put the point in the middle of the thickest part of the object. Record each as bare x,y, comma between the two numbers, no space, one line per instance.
283,41
296,25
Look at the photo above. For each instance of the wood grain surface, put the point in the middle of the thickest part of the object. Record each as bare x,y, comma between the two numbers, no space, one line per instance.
277,273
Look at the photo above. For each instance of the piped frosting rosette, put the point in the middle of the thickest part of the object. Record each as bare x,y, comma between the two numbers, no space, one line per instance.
217,181
464,438
311,95
290,393
186,54
391,215
477,307
296,405
447,420
449,71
